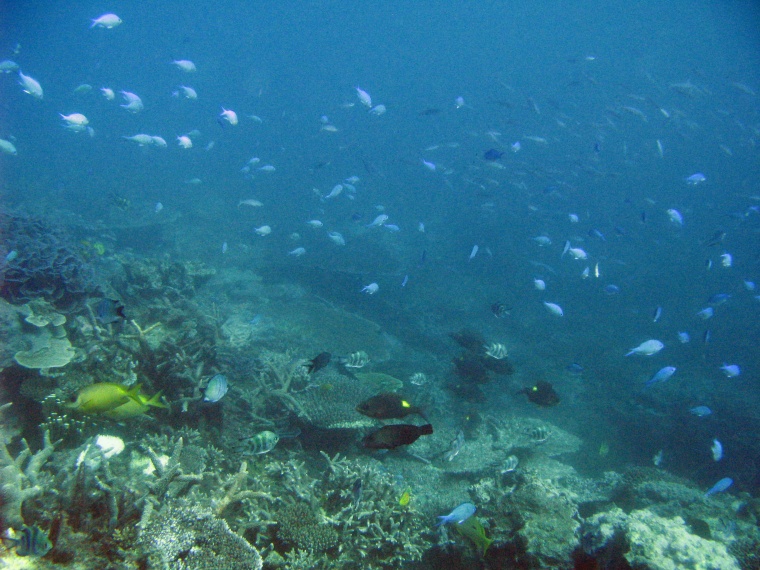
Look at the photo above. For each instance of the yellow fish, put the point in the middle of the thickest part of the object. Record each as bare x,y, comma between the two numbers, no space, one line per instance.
405,498
473,529
104,396
131,408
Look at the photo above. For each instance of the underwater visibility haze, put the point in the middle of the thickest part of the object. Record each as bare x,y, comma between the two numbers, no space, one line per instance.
421,285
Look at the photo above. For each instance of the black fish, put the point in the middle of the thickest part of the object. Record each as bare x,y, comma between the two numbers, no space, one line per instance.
542,394
110,311
492,154
715,239
500,310
387,406
318,362
356,493
391,437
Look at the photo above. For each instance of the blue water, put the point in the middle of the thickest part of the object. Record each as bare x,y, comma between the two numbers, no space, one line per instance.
598,82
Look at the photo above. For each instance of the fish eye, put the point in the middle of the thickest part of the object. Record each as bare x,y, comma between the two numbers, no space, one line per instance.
73,398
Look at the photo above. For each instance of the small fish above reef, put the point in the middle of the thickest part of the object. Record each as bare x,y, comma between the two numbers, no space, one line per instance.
103,396
216,388
492,154
109,311
473,529
356,493
354,360
387,406
720,486
393,436
318,362
263,442
542,394
30,541
500,310
458,515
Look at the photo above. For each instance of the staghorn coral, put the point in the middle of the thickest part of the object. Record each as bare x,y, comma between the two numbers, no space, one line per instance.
20,479
188,537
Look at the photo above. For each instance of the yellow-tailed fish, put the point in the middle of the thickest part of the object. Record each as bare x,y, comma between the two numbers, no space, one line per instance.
405,498
131,408
473,529
104,396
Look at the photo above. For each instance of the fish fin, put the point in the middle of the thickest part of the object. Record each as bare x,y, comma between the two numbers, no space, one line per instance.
155,400
133,393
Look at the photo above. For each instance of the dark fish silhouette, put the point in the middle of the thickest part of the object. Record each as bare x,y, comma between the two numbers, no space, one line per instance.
500,310
110,311
318,362
492,154
387,406
542,394
392,436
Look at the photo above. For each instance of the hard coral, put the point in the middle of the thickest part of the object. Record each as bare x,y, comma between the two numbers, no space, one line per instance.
46,263
300,527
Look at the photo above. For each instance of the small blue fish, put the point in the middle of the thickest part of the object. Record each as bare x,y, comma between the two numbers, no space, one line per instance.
405,281
657,314
696,178
718,299
574,368
216,388
458,515
32,541
720,486
731,370
706,313
597,234
700,411
662,375
611,289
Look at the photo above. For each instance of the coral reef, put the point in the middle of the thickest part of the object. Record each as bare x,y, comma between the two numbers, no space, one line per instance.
645,539
46,263
21,479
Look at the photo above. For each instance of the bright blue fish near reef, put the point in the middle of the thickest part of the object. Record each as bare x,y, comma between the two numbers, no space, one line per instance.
720,486
700,411
31,541
458,515
216,389
662,375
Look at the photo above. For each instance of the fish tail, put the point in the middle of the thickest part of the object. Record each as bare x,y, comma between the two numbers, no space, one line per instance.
155,400
427,429
442,520
134,393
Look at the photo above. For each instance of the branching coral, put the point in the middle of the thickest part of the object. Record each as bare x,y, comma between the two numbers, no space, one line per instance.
20,479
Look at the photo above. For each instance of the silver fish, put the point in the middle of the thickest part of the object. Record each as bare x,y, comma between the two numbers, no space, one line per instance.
263,442
216,388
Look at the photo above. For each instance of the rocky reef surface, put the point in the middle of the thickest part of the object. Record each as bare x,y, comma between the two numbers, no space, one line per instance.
184,485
